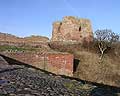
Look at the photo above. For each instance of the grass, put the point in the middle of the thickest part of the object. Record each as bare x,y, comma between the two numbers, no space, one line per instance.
15,49
72,86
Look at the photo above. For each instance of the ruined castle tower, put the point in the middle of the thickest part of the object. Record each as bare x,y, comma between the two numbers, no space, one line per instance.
72,29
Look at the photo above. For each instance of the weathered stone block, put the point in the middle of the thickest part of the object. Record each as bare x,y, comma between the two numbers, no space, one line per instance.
72,29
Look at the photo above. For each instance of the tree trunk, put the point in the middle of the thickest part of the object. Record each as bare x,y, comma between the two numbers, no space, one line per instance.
102,50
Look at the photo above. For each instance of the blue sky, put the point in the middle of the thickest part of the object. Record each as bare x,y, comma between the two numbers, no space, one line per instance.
35,17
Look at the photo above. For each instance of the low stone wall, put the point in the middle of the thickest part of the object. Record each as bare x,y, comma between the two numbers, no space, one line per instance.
58,63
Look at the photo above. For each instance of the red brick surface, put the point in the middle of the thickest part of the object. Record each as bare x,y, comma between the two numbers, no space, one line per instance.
58,63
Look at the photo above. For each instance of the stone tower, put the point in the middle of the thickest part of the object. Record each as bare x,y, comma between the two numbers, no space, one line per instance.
72,29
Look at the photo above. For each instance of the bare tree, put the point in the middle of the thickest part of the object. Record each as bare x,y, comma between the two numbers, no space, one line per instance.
105,38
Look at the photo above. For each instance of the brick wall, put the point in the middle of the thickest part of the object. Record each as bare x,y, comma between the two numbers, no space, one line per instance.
58,63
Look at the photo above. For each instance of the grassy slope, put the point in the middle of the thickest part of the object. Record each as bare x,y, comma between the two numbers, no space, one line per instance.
90,67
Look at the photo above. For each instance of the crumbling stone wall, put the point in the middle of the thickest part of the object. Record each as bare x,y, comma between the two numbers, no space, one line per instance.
58,63
72,29
12,38
32,41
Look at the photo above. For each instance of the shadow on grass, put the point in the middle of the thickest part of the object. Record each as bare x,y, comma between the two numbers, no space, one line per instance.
100,89
105,91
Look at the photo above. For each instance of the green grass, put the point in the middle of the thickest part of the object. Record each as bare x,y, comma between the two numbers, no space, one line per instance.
72,86
14,48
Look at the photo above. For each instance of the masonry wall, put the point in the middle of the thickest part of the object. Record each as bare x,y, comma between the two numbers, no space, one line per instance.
72,29
58,63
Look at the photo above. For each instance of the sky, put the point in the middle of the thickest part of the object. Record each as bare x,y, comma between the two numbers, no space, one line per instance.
35,17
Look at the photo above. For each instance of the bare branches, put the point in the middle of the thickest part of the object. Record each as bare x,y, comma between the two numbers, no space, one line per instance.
105,38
